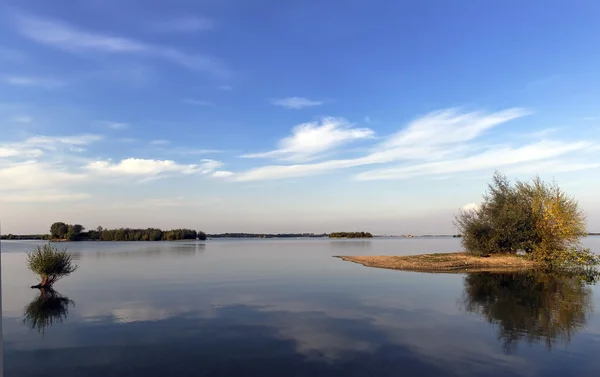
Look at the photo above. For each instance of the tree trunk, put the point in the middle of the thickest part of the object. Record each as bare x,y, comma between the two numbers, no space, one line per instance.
45,283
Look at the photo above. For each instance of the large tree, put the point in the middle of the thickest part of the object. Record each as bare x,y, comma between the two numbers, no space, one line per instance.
59,230
535,217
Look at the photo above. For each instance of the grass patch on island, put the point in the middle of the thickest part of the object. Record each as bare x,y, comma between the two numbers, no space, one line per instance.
447,262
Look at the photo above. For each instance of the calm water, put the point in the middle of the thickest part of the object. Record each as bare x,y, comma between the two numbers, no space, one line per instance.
287,308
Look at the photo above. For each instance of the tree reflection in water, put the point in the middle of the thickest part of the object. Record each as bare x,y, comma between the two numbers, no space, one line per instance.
531,306
46,310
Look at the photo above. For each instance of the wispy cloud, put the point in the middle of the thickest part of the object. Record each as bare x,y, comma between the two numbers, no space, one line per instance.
198,102
32,81
437,143
225,88
496,157
309,140
295,102
68,38
186,24
37,146
150,167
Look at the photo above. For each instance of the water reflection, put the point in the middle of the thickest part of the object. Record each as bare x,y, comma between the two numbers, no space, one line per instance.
531,306
187,250
48,308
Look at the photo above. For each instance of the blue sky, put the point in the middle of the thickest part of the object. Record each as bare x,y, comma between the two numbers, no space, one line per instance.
277,116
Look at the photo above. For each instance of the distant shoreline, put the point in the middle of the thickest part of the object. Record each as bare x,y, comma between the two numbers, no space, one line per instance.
46,237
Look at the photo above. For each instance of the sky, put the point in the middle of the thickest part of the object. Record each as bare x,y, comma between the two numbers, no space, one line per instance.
291,116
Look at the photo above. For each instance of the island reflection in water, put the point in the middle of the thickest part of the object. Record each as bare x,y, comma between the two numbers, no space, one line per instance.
531,306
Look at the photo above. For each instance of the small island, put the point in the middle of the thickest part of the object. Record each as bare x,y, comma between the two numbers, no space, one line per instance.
350,235
447,262
518,226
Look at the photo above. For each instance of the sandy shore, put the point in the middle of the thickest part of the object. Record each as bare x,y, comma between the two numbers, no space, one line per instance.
449,262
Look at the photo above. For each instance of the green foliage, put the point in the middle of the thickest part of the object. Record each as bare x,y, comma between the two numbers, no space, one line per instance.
76,232
59,230
532,306
535,217
201,236
47,309
350,235
50,264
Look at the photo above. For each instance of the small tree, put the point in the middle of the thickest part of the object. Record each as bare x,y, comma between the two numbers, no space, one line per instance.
535,217
50,264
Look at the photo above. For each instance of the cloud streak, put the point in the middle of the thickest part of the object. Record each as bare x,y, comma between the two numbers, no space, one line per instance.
68,38
150,167
32,81
295,103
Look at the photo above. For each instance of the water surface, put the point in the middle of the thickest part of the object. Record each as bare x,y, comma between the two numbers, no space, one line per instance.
287,308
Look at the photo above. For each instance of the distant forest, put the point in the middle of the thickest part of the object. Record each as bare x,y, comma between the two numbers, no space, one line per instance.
350,235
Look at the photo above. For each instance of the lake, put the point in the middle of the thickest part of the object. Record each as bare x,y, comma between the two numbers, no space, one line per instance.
288,308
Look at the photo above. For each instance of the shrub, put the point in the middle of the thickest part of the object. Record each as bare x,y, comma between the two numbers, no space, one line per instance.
535,217
50,264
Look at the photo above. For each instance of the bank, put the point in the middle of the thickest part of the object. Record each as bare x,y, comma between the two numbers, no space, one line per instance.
446,262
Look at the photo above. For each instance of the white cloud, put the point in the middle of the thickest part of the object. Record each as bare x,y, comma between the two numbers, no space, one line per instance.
65,37
470,207
32,81
198,102
17,151
187,24
436,136
149,167
222,174
295,102
308,140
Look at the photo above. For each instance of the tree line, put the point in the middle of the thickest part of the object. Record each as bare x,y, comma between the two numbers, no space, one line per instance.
350,235
265,235
76,232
